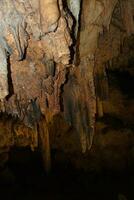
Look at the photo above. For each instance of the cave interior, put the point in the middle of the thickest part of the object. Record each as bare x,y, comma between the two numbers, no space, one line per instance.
67,99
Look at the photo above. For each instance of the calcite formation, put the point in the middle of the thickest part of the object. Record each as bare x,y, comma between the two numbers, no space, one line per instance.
127,11
74,6
82,112
50,15
22,27
48,58
34,56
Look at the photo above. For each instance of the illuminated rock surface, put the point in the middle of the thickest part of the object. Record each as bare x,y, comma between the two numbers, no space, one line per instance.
61,70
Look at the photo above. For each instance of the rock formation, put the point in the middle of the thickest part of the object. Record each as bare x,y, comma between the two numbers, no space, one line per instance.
51,64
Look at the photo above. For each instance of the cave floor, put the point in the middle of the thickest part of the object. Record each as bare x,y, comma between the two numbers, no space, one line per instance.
25,179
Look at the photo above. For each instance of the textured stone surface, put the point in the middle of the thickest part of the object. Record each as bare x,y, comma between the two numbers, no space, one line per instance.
53,60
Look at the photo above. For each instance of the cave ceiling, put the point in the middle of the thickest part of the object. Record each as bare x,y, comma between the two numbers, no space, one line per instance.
50,58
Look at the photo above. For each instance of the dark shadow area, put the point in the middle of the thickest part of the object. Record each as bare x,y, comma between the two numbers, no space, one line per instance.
25,179
122,80
113,122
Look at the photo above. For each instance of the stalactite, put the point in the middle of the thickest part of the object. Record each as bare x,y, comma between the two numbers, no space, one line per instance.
54,100
127,15
20,38
101,82
3,74
60,52
50,15
45,144
14,22
74,7
80,103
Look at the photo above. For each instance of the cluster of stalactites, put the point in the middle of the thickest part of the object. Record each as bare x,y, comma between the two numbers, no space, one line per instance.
42,20
47,22
95,18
